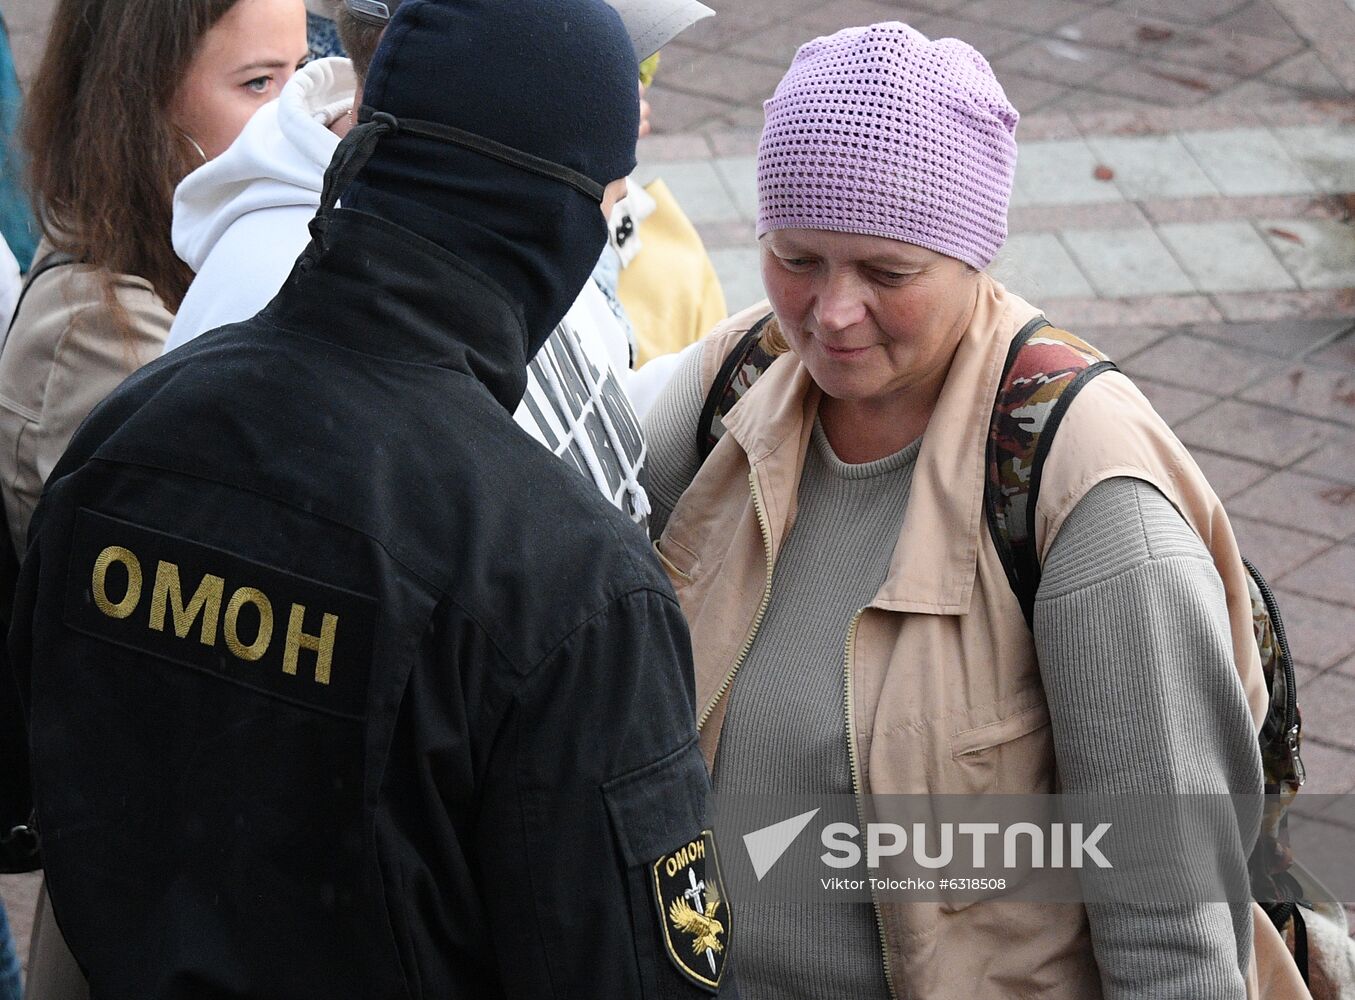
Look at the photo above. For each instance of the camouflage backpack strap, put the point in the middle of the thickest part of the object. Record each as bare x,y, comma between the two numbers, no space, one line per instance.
737,373
1045,369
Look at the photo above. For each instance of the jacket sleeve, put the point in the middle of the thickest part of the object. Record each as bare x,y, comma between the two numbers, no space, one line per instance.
594,782
91,360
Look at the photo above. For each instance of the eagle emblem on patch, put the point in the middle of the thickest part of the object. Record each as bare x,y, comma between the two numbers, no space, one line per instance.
690,894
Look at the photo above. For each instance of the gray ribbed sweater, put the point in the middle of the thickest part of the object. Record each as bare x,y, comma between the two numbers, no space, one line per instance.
1132,634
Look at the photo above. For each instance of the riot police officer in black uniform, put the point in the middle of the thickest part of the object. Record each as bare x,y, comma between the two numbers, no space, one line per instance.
339,684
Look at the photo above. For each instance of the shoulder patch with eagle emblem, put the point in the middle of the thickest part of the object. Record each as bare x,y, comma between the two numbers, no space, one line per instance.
690,893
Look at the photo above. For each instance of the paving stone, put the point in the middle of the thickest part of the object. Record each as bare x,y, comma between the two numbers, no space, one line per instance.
1220,209
990,39
1059,172
1057,60
1229,476
1331,769
1301,502
740,176
1152,310
1080,102
1256,93
735,141
1322,257
1127,262
1173,403
1166,84
697,186
676,112
740,277
825,18
775,45
1029,94
1194,12
1122,342
1028,15
1325,152
1194,363
1347,667
1090,215
1328,394
725,77
660,148
1153,167
1335,462
1341,351
1247,430
1115,28
1327,706
1247,307
1037,267
1210,48
1320,632
1308,74
724,235
1329,576
1273,550
1048,125
1258,18
1285,339
1225,256
1247,162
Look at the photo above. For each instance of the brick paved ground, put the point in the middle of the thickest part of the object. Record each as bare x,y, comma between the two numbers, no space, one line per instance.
1213,257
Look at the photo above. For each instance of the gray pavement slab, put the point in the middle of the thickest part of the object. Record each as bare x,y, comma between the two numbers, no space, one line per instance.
1247,162
1152,167
1320,253
1126,262
1225,256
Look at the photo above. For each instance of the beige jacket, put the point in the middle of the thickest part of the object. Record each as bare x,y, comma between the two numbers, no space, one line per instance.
61,358
942,689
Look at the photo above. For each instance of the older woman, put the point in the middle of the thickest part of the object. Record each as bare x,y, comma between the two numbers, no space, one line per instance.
833,553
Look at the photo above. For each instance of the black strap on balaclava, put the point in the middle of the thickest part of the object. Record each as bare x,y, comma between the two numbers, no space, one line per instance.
491,127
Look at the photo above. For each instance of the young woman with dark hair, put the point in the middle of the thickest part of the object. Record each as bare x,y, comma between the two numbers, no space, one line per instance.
130,96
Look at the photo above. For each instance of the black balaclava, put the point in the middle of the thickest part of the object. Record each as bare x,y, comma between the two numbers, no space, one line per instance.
554,79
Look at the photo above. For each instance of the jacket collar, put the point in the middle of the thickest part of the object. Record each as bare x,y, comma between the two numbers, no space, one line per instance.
934,563
376,288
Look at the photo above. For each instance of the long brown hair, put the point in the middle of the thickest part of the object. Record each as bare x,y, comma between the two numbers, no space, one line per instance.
104,157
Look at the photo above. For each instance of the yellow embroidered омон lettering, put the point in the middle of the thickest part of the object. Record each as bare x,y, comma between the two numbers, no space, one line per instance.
322,644
168,593
205,606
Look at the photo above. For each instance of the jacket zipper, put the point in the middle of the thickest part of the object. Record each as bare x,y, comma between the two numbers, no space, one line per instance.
762,608
1291,722
856,785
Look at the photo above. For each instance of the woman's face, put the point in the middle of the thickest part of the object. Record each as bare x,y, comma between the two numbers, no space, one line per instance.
870,317
241,63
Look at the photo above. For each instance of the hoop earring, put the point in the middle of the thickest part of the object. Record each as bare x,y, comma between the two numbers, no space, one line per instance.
194,143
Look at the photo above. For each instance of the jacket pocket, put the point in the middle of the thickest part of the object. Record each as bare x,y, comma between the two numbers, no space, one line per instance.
678,560
680,914
1013,755
994,734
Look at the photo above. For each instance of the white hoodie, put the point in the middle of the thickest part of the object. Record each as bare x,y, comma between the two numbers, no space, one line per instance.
241,221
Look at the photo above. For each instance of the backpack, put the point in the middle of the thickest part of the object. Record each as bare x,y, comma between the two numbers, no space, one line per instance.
19,848
1044,370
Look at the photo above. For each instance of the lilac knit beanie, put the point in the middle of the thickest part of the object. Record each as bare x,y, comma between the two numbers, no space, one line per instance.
880,131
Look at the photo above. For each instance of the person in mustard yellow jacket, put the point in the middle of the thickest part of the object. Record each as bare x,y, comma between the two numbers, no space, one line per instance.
855,632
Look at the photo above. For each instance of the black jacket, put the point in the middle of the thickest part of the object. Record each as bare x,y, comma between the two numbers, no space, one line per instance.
339,684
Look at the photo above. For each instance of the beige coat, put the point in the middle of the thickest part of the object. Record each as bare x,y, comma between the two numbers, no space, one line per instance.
941,682
61,358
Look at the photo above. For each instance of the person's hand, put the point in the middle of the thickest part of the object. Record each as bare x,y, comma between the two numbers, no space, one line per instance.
644,113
